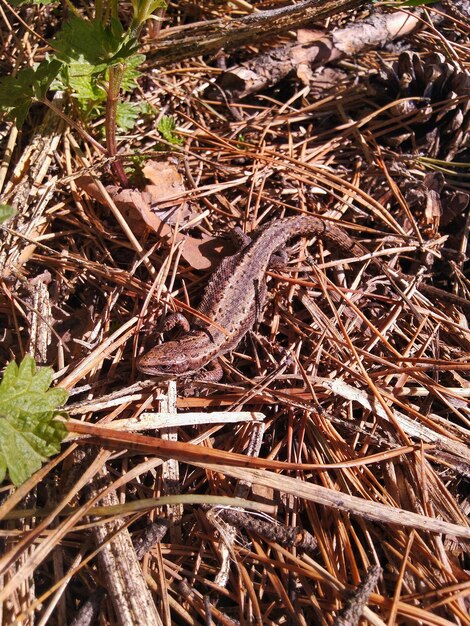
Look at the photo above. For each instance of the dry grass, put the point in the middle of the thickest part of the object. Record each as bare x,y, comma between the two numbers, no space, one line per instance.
358,376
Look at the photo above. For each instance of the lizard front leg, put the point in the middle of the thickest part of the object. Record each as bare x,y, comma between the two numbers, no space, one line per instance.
176,319
212,374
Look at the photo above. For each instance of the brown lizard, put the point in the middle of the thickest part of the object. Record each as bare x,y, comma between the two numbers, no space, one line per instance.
234,297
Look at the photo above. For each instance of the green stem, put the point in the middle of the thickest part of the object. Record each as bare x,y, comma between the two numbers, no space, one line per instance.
114,8
99,10
140,17
116,73
72,8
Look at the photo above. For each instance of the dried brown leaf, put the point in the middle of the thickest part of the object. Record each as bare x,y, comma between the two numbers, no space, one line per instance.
136,207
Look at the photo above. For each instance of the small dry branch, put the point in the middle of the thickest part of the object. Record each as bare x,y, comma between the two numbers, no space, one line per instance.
185,42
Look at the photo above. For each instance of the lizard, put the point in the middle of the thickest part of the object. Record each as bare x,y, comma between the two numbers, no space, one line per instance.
234,297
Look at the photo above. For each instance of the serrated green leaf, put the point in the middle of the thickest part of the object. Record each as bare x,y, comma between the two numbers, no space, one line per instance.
51,433
166,127
82,79
94,42
29,432
26,369
17,93
19,452
9,376
127,113
6,212
28,401
40,380
131,73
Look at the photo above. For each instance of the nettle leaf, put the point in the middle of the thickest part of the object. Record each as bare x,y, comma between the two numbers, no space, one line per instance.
6,212
17,93
128,112
126,115
29,432
82,78
87,82
131,73
94,42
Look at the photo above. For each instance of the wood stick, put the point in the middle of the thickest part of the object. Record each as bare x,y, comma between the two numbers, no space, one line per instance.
184,42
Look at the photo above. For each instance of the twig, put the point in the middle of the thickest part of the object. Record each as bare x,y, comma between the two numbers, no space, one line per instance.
353,609
176,44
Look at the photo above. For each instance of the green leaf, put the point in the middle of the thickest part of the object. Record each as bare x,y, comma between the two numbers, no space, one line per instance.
87,82
82,79
17,93
94,42
16,445
29,432
166,127
126,115
6,212
143,10
128,112
137,5
131,73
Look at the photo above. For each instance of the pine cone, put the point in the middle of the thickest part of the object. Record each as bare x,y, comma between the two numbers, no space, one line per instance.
438,123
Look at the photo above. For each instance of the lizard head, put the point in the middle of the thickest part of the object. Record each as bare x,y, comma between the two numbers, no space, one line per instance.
166,361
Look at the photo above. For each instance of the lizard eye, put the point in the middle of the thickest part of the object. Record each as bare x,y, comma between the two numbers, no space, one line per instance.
165,368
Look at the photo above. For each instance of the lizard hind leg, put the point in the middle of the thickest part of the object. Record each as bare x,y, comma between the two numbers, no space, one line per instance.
240,239
278,260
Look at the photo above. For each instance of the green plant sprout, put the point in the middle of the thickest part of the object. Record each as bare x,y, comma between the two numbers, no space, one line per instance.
166,127
95,62
29,432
